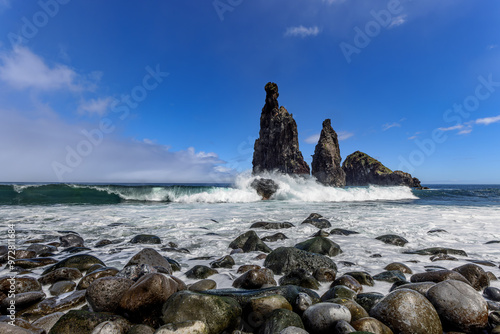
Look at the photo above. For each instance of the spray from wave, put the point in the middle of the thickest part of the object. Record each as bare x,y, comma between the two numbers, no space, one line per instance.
291,188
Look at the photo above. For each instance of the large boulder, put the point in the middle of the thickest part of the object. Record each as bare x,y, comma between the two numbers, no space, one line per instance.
218,313
285,259
277,148
438,276
362,170
407,311
150,257
321,318
459,306
82,322
264,187
320,245
104,294
326,159
475,275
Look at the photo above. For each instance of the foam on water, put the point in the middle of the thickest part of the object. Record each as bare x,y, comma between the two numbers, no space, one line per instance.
206,229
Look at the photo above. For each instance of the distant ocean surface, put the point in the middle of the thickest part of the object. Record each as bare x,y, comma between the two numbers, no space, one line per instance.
204,219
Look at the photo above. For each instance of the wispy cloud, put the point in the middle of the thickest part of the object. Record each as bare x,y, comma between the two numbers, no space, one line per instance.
302,31
467,127
397,124
312,139
492,46
22,69
343,135
414,136
397,21
99,107
488,120
333,1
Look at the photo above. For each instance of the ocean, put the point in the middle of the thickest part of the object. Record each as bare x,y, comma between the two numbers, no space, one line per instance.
203,219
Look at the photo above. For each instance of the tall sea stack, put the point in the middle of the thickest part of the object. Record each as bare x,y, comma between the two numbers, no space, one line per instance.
277,148
326,159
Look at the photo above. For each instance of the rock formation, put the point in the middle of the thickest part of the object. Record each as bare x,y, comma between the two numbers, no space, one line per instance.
326,165
265,187
361,170
277,148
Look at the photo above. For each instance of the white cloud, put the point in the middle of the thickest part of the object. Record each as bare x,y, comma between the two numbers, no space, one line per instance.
491,47
343,135
387,126
488,120
22,69
397,21
97,107
452,128
301,31
312,139
333,1
30,147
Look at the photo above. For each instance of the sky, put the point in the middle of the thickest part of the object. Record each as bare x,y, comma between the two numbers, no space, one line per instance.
172,91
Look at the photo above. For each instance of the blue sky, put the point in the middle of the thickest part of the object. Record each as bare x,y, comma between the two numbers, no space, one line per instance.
172,91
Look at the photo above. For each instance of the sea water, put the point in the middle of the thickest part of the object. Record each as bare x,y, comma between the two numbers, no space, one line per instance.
204,219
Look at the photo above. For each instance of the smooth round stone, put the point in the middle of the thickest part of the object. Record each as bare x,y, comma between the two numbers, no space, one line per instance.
317,220
362,277
89,278
47,321
302,302
349,282
274,237
76,321
285,259
390,276
203,285
325,274
255,279
459,306
371,325
299,277
41,249
61,287
357,311
23,300
200,272
320,245
112,327
225,262
60,274
392,239
343,327
102,243
136,271
146,239
421,287
407,311
249,242
185,327
6,328
438,276
259,308
22,284
369,299
339,291
492,293
81,262
71,240
475,275
399,266
321,318
494,318
150,257
104,294
293,330
243,269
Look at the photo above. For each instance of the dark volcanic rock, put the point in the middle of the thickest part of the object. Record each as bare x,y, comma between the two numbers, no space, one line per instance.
285,259
277,147
317,220
146,239
265,187
392,239
80,262
82,322
255,279
300,277
361,170
271,226
104,294
438,276
249,242
326,160
274,237
320,245
475,275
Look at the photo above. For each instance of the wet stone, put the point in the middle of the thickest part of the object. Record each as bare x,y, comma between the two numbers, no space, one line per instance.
61,287
136,271
369,299
399,266
285,259
203,285
246,268
442,257
362,277
272,226
200,272
22,284
150,257
341,231
492,293
392,239
325,274
349,282
53,304
390,276
71,240
146,239
104,294
22,300
438,276
300,277
255,279
321,318
89,278
60,274
102,243
475,275
224,262
317,220
34,262
81,262
320,245
275,237
250,242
